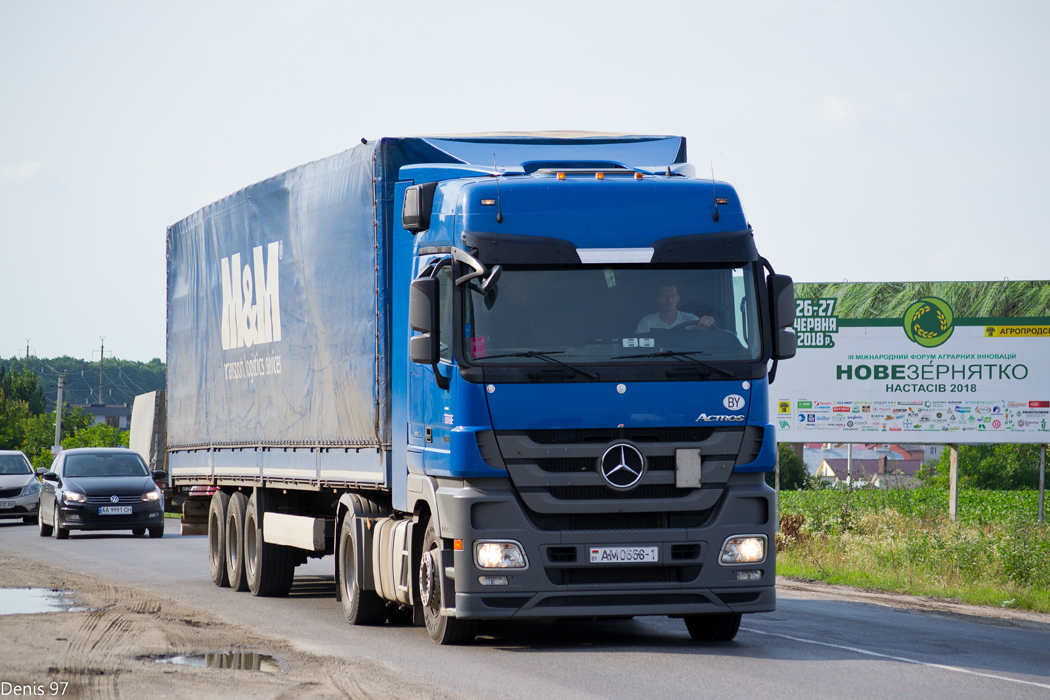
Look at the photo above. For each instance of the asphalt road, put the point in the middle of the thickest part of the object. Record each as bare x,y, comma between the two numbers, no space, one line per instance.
818,644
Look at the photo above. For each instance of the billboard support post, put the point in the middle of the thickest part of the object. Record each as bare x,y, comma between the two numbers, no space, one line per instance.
953,484
1042,479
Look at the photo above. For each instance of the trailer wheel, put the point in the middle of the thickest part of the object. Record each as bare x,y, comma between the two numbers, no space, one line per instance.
270,568
719,627
441,628
217,508
235,542
359,606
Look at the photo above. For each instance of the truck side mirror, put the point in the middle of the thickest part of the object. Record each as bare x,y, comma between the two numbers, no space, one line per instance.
782,303
782,300
415,212
423,317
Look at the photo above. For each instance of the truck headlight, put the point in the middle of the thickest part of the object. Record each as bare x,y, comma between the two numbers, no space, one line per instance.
503,554
74,497
743,549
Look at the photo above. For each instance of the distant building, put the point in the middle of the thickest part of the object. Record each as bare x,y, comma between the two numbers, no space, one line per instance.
113,415
881,473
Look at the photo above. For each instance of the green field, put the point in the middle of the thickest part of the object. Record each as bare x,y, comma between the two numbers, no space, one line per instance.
901,540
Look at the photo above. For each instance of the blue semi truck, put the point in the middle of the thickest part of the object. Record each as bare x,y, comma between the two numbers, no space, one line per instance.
498,376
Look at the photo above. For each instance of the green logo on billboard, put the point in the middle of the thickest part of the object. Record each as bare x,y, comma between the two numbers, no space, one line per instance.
929,322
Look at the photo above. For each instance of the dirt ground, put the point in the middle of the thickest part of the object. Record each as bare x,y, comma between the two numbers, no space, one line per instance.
109,650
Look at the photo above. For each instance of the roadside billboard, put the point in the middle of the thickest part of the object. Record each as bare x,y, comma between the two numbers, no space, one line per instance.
917,362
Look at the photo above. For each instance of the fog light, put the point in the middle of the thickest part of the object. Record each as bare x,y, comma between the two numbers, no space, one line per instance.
72,516
504,554
743,549
493,580
754,575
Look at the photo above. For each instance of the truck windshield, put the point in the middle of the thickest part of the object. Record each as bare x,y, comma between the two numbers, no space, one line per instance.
622,315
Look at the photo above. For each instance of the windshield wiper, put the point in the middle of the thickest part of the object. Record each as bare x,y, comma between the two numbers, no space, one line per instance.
680,355
543,355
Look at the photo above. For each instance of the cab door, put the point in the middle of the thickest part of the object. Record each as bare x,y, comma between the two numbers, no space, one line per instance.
430,418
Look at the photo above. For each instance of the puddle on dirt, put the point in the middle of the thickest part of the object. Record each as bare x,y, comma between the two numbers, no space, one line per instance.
28,601
237,660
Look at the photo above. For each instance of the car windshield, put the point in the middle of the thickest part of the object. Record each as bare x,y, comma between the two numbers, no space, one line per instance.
14,464
625,314
105,465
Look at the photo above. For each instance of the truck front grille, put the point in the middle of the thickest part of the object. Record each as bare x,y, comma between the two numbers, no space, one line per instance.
599,575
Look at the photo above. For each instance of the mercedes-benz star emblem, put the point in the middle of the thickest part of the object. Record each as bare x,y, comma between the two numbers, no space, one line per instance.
622,466
114,499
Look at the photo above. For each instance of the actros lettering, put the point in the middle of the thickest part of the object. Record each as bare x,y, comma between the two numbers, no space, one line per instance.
719,419
251,307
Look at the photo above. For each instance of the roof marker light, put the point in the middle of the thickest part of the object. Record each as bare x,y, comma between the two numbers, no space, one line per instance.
561,176
599,176
488,202
637,176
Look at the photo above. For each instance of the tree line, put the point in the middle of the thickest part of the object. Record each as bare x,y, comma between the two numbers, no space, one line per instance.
122,380
28,399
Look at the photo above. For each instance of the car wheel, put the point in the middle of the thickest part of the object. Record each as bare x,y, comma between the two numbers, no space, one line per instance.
156,532
29,519
59,532
138,531
45,529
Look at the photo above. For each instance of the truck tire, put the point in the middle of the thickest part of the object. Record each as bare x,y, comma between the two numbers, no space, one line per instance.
217,509
270,568
360,607
719,627
442,629
235,542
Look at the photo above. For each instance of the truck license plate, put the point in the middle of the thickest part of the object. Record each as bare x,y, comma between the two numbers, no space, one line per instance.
7,504
624,555
114,510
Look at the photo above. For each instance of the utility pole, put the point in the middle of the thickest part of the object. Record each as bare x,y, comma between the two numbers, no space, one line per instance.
27,352
58,416
101,360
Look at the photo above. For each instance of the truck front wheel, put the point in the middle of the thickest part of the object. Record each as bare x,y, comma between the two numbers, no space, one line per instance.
443,629
719,627
359,606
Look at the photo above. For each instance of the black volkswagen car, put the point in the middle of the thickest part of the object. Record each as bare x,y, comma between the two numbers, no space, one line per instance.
101,488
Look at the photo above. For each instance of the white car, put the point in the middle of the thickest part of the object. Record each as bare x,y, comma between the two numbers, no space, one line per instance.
19,487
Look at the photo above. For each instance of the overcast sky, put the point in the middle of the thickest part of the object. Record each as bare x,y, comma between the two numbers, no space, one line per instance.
869,141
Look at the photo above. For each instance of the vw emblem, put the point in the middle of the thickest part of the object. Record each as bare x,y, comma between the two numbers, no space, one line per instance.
114,499
622,466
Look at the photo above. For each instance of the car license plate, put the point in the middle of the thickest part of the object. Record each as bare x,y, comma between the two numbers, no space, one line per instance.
624,555
114,510
7,504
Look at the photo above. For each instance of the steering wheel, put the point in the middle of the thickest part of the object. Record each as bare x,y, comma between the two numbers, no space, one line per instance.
694,322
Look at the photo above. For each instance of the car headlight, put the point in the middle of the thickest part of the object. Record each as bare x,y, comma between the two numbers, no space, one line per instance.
743,549
502,554
151,496
74,497
31,488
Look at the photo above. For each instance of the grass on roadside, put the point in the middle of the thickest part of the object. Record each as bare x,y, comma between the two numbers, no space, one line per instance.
903,542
